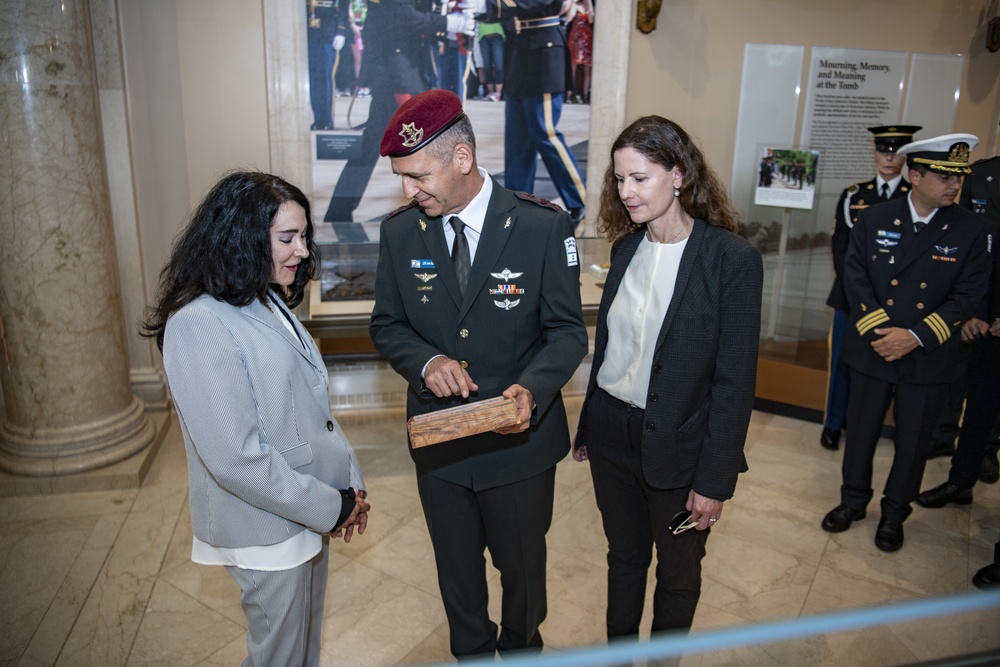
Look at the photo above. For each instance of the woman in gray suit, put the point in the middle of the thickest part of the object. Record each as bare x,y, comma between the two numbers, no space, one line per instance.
672,382
270,473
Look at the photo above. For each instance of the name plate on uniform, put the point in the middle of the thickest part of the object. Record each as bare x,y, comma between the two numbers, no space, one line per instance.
462,421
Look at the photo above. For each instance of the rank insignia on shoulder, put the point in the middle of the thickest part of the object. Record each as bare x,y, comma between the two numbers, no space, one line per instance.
853,189
399,210
527,196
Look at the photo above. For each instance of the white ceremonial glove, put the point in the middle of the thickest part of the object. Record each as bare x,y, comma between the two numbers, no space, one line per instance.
464,23
338,42
475,6
470,22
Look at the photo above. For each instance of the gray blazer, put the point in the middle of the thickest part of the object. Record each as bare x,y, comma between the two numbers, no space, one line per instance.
266,459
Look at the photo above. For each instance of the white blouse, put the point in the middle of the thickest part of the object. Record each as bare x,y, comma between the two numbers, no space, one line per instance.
635,318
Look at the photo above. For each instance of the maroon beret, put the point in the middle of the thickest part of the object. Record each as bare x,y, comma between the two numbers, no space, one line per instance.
419,120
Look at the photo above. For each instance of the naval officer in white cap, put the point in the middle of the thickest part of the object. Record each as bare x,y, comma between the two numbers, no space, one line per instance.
916,269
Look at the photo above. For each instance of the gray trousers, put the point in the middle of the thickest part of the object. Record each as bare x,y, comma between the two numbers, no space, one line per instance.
284,611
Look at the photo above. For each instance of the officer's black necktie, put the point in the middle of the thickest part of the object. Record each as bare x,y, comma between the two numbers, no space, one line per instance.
918,225
885,191
460,256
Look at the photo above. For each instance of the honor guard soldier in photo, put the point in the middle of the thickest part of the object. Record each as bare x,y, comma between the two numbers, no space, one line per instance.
916,269
536,70
888,183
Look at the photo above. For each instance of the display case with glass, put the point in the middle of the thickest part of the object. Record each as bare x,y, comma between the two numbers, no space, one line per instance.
339,304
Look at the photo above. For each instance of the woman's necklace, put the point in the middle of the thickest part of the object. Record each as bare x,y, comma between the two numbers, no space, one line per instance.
681,231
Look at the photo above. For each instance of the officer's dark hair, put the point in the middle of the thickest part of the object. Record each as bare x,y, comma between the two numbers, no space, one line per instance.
664,142
461,132
225,250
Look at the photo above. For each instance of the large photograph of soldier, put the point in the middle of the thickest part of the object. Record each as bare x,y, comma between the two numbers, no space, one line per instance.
529,106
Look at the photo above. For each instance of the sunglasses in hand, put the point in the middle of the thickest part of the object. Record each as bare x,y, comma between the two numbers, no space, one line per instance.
682,522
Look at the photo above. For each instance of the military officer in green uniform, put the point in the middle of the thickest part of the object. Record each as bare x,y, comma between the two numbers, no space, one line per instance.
477,295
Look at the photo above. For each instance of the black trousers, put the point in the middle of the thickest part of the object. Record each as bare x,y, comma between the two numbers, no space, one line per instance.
982,409
636,517
511,521
915,410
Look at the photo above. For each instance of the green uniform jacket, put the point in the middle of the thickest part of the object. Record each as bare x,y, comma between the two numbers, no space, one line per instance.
520,322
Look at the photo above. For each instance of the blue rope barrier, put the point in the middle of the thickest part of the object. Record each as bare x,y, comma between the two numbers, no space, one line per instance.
759,633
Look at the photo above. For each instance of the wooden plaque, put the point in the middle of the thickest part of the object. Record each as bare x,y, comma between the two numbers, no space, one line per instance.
462,421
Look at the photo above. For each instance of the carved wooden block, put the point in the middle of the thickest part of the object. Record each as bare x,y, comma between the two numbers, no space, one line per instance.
462,421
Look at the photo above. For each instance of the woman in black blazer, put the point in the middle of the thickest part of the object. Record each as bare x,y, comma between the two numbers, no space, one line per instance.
675,360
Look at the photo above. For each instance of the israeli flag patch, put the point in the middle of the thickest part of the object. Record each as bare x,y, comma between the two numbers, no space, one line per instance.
571,256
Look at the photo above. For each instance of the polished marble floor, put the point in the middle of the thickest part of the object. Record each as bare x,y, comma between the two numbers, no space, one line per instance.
105,577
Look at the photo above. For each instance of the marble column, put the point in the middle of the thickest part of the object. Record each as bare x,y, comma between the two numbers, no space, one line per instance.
64,369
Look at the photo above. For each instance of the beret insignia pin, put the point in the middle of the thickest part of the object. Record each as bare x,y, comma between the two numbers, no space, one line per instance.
412,136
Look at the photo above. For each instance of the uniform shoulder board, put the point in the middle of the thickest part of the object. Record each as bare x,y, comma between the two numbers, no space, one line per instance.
399,210
985,161
853,190
526,196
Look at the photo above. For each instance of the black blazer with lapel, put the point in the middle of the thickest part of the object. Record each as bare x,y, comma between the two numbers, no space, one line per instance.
929,283
520,322
704,373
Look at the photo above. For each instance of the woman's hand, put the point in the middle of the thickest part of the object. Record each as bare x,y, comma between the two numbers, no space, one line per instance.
706,511
358,517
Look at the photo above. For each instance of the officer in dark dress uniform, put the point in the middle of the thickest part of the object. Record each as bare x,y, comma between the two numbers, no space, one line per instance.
916,269
326,25
887,184
981,194
536,69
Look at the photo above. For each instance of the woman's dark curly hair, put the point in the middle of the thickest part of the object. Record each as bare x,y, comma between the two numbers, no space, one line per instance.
225,250
664,142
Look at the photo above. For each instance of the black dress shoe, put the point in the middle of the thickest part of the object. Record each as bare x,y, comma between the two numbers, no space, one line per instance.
940,449
942,495
988,577
989,470
889,536
830,438
840,518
